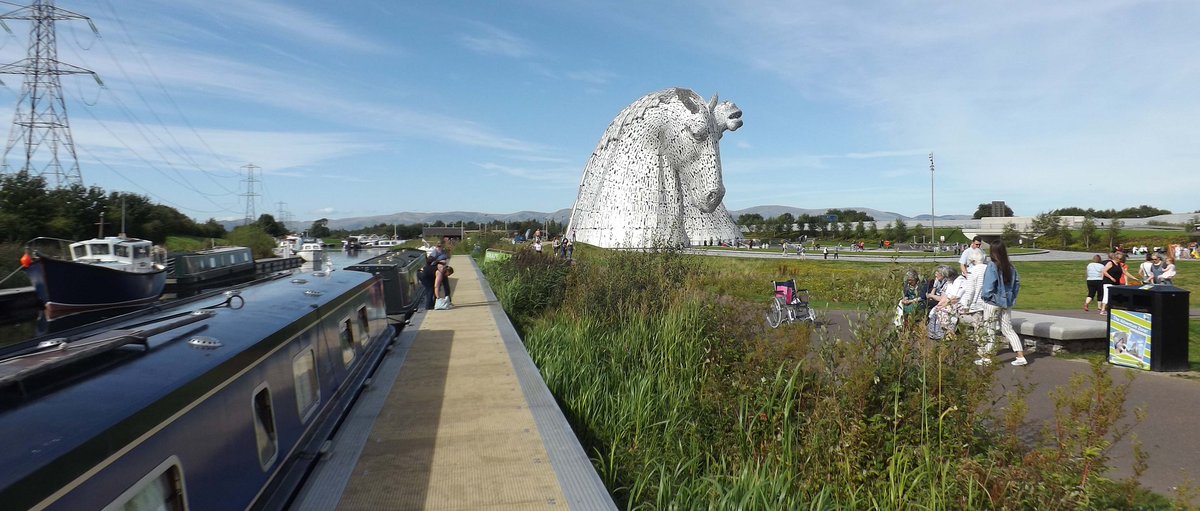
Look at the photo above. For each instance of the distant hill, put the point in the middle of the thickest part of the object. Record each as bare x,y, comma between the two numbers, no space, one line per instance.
564,215
410,218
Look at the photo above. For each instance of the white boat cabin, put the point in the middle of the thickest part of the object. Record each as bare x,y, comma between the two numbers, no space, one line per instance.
125,254
309,245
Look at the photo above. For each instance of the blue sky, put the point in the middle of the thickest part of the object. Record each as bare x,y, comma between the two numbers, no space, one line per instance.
374,107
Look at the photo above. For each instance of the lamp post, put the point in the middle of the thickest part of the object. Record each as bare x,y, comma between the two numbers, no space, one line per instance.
932,218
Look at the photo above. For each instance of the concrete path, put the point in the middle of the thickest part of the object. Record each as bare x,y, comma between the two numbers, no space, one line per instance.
884,256
457,418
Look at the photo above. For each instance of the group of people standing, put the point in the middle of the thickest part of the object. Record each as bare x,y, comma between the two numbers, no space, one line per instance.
981,293
1156,269
563,246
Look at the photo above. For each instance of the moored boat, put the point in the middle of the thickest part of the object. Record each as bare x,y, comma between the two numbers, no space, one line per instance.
311,249
287,246
209,266
220,401
113,271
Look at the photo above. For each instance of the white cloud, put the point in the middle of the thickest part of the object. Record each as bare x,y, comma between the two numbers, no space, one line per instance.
560,177
491,40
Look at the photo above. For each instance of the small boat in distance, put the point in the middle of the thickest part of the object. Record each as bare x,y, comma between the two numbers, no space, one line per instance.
311,249
288,246
112,271
212,265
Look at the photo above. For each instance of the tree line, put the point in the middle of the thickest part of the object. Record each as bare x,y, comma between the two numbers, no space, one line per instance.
320,228
29,209
1142,211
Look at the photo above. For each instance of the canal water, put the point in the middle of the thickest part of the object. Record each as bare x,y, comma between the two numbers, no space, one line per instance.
32,323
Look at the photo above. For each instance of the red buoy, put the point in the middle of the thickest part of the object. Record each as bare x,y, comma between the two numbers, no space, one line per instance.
26,261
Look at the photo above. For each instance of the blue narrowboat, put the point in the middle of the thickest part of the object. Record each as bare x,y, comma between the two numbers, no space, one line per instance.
220,401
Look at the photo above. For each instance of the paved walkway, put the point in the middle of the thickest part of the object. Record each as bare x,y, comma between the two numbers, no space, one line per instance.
884,256
1171,400
457,418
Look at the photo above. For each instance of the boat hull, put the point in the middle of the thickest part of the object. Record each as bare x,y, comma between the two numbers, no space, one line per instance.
67,286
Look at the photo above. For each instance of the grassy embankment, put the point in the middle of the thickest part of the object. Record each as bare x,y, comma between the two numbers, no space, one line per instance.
686,401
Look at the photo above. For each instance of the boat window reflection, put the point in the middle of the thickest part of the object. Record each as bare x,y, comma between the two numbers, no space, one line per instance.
264,428
161,492
364,327
304,372
347,338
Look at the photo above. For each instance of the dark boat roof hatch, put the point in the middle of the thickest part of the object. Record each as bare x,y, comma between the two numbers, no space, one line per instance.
58,354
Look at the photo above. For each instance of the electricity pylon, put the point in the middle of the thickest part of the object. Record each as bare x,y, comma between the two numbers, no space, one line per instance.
250,195
40,119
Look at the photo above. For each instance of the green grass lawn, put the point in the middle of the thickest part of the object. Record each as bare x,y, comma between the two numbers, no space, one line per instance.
1045,285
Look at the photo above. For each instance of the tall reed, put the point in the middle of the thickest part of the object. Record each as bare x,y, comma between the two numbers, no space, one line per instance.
685,399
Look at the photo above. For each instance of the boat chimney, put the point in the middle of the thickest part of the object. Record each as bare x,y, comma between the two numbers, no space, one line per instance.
122,235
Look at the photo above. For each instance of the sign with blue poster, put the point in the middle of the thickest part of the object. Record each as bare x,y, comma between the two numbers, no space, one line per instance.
1129,338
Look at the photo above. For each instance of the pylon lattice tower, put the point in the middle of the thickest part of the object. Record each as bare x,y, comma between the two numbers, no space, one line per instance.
40,120
250,195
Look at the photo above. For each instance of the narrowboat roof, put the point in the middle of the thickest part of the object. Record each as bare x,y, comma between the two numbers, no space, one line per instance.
123,389
217,250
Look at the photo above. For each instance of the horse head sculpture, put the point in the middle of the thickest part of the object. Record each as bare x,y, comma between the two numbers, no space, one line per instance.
657,165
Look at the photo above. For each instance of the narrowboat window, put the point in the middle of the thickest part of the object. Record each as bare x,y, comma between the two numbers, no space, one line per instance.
121,251
141,252
347,337
304,372
99,249
160,490
245,257
364,326
80,251
264,428
212,262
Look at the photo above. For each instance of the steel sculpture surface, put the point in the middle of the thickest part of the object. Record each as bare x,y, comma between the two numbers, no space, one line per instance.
655,177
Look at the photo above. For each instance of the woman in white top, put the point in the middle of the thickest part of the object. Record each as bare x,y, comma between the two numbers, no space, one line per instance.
1095,281
1146,269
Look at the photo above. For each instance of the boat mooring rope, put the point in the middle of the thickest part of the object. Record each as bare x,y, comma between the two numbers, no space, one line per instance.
14,272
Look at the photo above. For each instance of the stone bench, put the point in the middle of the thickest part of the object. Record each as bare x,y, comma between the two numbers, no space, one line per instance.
1052,334
1062,333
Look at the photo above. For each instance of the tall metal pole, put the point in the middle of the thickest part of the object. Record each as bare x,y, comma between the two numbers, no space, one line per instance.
932,218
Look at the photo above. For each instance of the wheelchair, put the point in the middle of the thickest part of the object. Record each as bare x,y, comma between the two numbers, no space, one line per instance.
789,304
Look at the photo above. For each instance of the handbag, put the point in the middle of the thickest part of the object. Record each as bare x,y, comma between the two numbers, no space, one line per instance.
442,303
